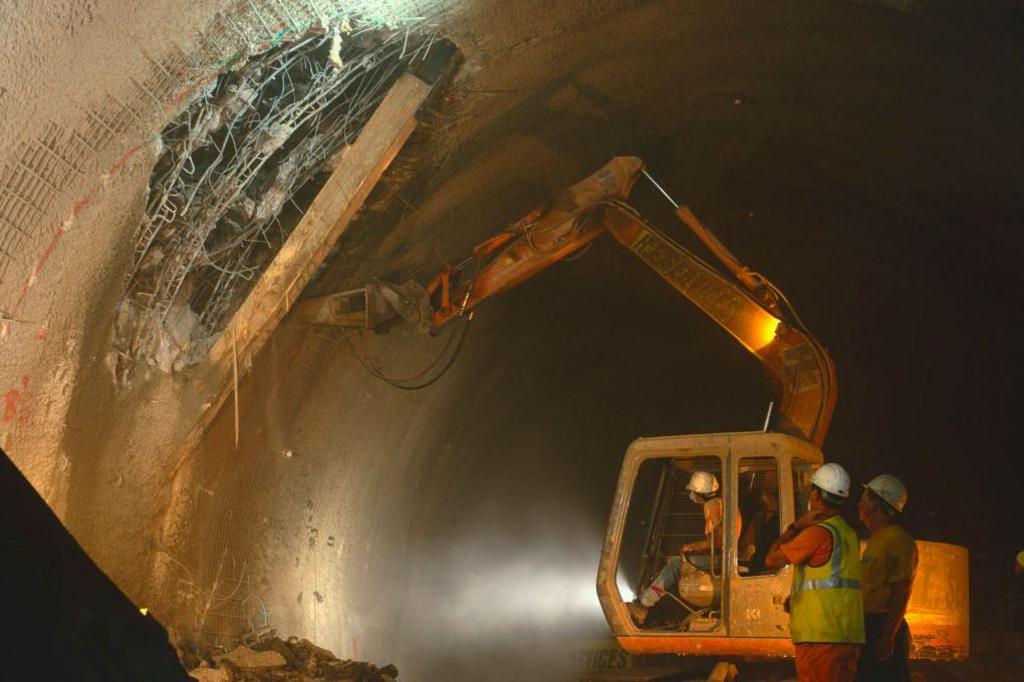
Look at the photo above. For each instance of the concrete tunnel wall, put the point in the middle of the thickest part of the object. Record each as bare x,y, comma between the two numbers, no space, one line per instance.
825,140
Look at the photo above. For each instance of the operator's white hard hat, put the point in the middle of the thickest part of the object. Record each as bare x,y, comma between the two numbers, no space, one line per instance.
832,478
890,489
702,482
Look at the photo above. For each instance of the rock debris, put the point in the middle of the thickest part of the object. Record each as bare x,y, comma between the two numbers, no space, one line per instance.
272,659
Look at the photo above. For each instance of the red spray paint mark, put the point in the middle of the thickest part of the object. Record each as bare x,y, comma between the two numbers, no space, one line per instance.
11,404
355,648
16,403
87,198
41,334
76,210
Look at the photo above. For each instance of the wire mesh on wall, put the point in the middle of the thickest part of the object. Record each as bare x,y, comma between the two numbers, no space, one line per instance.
236,171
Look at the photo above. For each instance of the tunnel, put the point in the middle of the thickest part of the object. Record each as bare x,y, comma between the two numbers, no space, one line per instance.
439,501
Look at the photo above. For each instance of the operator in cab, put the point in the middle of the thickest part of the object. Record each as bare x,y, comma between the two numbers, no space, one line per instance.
826,606
761,533
693,556
887,572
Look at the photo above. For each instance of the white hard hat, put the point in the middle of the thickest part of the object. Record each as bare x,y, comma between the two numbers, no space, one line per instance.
702,482
832,478
890,489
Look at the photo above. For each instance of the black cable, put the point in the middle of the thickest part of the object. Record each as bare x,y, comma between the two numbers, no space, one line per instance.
579,254
400,383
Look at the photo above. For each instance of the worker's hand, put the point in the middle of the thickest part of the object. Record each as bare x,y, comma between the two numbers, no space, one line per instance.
884,647
811,518
683,550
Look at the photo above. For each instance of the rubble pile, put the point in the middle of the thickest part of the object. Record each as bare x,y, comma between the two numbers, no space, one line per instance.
275,660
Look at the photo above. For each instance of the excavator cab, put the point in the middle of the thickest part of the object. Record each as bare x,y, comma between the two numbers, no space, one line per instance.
727,601
733,604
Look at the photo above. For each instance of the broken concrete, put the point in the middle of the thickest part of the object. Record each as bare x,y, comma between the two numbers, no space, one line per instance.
207,674
246,660
272,659
723,672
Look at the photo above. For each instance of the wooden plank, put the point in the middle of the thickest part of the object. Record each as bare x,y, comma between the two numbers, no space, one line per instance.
312,239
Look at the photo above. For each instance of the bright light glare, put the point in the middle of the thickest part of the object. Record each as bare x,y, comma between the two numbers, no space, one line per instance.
625,590
525,594
762,331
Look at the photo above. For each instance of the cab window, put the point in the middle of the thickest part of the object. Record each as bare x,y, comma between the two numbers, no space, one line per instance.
758,499
802,472
667,515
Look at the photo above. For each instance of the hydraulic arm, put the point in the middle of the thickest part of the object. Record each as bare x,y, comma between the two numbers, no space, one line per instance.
749,307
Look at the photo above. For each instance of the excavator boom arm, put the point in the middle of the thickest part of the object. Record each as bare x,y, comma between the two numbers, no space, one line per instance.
534,243
800,371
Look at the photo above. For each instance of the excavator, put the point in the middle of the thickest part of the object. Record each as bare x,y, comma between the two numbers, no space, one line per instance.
736,607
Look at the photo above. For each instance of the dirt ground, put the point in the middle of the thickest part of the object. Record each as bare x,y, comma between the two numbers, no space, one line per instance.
866,158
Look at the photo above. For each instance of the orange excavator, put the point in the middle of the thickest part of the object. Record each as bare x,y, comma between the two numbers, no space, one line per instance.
736,606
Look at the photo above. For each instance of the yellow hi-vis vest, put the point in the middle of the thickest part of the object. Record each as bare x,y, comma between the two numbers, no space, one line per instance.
826,603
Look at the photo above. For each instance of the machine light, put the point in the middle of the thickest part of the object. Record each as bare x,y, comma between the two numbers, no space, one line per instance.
762,330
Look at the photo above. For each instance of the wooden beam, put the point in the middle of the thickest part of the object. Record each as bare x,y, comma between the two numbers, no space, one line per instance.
294,265
312,239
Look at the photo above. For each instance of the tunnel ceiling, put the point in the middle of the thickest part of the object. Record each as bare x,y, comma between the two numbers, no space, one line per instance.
865,156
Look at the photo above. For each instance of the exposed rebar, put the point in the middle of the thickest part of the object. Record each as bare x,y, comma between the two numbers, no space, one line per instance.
224,191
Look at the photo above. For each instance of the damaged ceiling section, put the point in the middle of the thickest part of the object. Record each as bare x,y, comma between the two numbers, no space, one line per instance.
237,170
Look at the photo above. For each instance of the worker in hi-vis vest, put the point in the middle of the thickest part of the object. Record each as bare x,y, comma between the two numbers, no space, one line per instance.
826,616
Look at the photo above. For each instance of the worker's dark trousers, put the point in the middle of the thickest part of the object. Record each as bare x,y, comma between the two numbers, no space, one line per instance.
894,669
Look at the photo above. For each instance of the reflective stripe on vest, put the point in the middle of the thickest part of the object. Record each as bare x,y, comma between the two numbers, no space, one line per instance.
827,604
827,584
836,580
